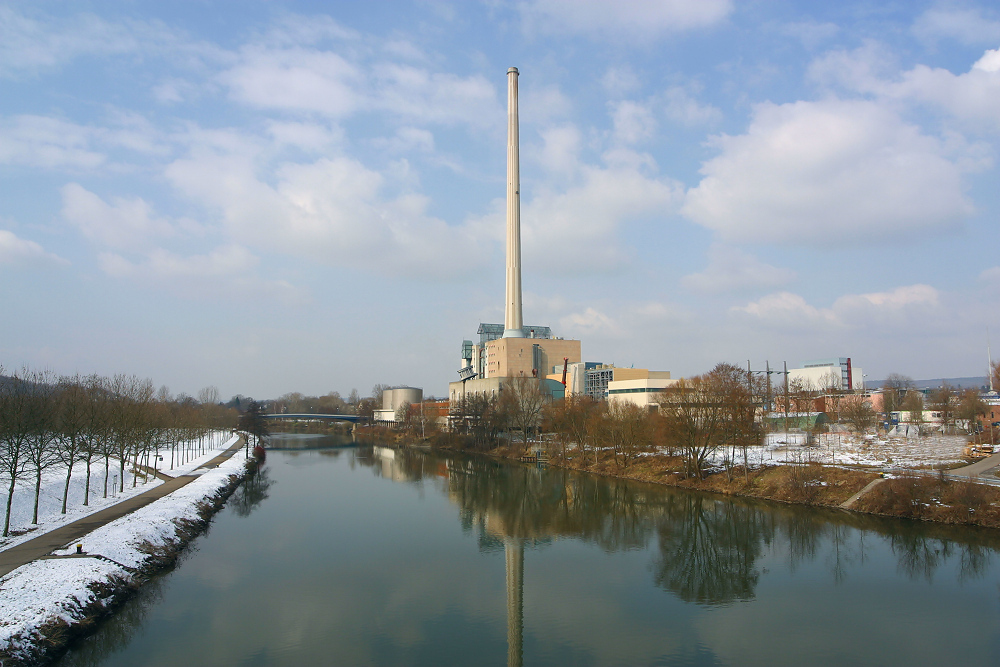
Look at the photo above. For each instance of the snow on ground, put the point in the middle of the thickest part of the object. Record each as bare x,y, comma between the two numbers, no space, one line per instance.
54,480
47,590
931,451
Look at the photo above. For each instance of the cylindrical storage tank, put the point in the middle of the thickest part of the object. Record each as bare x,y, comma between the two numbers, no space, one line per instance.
387,403
401,395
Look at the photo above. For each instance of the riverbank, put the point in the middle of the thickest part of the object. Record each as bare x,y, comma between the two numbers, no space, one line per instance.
923,496
48,602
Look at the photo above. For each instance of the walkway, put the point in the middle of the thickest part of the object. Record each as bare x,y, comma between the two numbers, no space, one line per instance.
977,468
36,548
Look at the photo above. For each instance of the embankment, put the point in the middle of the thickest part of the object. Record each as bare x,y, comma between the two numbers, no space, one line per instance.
48,602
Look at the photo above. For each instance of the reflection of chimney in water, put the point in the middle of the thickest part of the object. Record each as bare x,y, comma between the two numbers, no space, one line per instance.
513,550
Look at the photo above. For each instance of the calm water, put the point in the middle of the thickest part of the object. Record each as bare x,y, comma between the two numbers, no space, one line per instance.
372,557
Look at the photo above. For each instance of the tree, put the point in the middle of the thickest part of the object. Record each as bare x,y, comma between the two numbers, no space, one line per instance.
941,400
39,450
625,428
894,392
72,418
525,400
208,395
17,419
253,422
860,415
694,415
569,418
913,405
970,408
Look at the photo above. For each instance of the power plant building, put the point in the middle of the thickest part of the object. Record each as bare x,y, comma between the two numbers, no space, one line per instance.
512,350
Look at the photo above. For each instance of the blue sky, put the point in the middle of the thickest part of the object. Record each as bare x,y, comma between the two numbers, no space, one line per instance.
306,196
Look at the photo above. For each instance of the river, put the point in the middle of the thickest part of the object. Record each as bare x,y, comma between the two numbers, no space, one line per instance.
373,556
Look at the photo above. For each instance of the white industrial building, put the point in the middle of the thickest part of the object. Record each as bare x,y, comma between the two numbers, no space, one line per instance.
837,374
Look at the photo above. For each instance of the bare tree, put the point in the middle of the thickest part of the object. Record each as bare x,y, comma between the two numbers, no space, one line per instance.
209,395
625,428
570,418
694,417
17,421
525,399
39,447
894,392
860,415
72,416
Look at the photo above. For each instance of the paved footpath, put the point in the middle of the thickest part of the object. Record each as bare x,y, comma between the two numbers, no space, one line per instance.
36,548
977,468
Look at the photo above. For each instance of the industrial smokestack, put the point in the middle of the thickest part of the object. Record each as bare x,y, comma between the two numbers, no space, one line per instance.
513,323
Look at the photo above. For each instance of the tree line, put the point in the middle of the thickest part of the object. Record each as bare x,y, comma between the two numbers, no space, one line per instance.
121,421
725,411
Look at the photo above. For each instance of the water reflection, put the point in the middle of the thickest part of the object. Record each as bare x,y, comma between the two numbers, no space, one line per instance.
708,547
252,492
293,441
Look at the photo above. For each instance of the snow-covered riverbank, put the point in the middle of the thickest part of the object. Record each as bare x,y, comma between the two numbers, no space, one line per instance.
42,602
193,453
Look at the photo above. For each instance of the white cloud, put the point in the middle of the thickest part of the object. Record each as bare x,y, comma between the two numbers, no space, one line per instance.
17,252
681,107
627,18
633,122
560,153
228,270
590,322
309,137
310,80
407,139
38,141
295,79
971,97
831,172
560,226
907,306
619,81
968,26
732,270
332,211
125,223
161,263
28,45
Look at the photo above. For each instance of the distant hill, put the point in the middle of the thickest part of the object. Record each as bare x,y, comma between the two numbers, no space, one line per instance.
975,382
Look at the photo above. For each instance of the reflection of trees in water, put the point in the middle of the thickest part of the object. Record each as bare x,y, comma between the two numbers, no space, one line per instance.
252,492
709,549
116,632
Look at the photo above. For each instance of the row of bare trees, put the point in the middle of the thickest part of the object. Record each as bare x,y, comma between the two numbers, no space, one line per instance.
65,422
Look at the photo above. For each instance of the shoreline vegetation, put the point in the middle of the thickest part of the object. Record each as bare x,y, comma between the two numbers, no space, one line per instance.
918,496
159,532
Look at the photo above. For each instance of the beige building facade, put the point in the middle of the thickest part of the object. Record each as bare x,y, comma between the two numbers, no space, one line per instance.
529,357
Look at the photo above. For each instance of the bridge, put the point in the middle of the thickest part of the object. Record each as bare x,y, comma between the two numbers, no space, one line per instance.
310,415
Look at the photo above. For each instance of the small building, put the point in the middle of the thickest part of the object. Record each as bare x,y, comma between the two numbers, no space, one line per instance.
644,392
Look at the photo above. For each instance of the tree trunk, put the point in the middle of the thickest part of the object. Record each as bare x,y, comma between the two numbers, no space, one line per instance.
69,472
107,473
38,491
86,488
10,501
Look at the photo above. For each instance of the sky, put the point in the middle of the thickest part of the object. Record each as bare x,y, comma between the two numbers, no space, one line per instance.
309,196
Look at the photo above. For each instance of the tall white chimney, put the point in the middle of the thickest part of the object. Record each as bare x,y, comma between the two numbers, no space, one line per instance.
513,324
